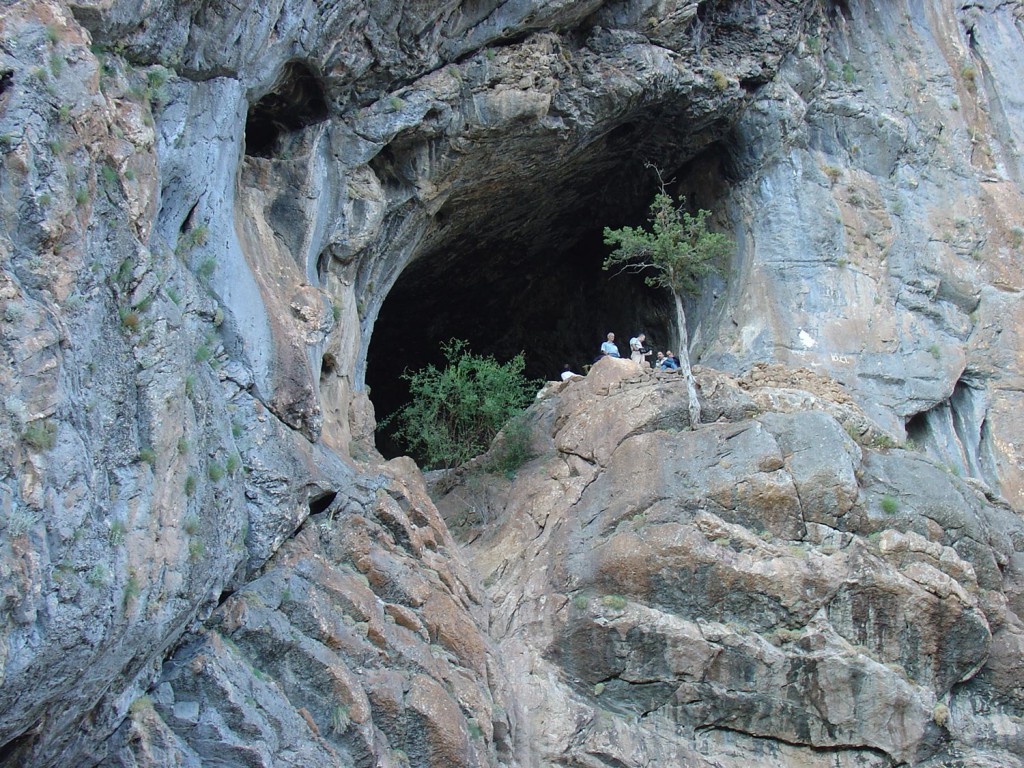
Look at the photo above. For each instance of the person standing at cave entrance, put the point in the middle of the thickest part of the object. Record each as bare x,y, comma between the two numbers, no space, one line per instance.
637,353
608,349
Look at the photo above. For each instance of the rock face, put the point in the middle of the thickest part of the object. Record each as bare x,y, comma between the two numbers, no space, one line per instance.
209,210
761,586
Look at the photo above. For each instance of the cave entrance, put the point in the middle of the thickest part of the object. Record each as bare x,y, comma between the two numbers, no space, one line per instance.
519,270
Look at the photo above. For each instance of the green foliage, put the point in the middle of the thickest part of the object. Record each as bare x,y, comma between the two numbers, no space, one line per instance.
109,174
190,485
935,351
890,505
456,411
82,196
129,319
20,522
190,385
339,719
206,268
615,602
98,576
148,456
40,435
849,73
234,463
970,75
203,353
183,445
131,590
191,525
118,533
215,471
677,247
196,550
513,449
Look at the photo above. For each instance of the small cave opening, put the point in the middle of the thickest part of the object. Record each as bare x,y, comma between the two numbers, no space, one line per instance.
518,268
295,102
321,502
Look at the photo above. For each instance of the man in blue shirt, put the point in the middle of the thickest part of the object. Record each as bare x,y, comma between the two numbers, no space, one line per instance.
609,348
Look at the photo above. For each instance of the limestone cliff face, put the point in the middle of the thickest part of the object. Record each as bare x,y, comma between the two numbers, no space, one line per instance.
204,208
763,588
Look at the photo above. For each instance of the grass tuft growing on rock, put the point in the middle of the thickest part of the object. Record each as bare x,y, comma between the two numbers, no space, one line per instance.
40,435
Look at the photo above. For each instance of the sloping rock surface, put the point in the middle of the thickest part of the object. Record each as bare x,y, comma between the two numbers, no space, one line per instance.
760,585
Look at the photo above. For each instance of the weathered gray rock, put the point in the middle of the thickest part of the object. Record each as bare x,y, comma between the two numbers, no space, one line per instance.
203,209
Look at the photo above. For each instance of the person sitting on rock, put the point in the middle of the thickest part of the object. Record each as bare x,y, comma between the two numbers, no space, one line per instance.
608,349
668,362
637,353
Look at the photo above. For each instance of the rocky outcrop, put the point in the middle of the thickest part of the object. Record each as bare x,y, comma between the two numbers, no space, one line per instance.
208,211
763,584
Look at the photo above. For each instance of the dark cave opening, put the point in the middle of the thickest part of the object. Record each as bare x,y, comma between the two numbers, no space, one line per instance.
526,276
296,101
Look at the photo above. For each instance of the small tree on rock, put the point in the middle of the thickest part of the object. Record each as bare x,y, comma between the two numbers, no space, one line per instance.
676,250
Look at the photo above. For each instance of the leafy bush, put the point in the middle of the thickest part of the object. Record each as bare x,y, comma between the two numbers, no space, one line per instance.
455,412
40,436
513,449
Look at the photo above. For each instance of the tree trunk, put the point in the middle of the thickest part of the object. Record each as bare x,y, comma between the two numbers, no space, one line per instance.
684,361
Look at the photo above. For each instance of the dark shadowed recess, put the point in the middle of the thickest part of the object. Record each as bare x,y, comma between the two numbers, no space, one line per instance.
518,269
295,101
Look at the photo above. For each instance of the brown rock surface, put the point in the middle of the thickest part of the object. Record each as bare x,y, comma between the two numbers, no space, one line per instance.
759,580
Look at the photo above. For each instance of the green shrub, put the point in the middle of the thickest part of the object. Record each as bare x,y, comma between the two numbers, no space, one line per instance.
147,456
207,268
215,471
190,485
196,549
131,590
118,533
513,449
203,353
969,74
889,505
191,525
98,576
40,435
234,463
129,319
456,411
615,602
849,73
